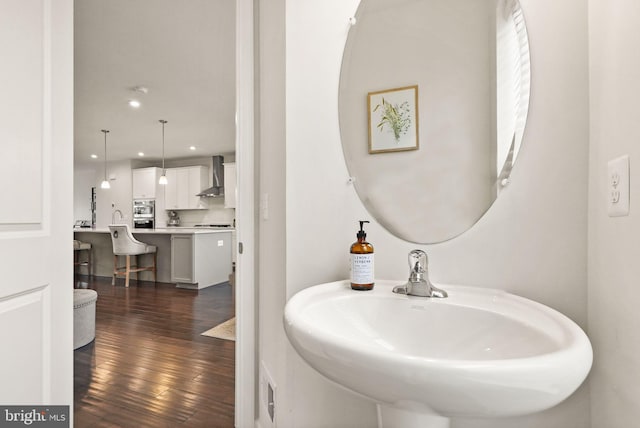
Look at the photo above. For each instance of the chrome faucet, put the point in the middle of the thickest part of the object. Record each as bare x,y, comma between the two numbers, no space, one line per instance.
418,283
113,216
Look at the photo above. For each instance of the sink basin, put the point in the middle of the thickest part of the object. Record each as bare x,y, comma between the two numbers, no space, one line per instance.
477,353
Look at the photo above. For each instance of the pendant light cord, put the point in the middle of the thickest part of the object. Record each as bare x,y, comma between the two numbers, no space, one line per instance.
105,131
162,121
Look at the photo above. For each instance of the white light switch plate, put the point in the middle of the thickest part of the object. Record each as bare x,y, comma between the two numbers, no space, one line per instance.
618,186
264,206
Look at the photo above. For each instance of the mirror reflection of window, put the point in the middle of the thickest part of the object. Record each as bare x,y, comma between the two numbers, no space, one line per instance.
512,87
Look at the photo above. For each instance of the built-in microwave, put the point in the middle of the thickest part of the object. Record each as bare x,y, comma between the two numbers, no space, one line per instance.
143,224
144,215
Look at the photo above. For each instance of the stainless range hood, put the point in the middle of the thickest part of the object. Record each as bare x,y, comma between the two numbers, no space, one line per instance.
217,190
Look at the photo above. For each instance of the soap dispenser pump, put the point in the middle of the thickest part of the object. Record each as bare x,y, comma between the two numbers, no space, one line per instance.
362,261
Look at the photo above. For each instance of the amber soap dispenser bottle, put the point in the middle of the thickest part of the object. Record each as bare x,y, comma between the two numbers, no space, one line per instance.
362,261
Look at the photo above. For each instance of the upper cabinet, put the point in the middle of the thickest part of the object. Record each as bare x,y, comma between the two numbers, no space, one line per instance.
183,184
145,183
230,185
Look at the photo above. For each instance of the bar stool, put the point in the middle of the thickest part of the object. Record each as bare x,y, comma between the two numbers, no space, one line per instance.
78,247
124,244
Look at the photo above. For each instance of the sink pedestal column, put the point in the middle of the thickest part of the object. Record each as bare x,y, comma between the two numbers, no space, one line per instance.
392,417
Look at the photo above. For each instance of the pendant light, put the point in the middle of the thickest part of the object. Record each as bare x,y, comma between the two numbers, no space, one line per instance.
163,177
105,183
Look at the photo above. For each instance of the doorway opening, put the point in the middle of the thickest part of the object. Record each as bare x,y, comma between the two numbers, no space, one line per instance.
124,50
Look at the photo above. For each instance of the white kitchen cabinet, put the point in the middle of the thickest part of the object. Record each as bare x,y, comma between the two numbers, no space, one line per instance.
229,185
183,184
200,260
145,182
173,198
182,266
144,185
198,180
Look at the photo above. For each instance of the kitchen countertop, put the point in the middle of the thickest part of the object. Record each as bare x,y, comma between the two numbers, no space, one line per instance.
164,231
190,257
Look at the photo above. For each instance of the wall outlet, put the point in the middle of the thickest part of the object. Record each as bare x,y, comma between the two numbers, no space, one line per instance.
618,186
271,402
268,394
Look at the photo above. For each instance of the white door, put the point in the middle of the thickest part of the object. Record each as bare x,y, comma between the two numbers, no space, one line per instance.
36,202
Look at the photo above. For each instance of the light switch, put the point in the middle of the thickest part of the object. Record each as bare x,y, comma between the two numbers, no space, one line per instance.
618,186
264,206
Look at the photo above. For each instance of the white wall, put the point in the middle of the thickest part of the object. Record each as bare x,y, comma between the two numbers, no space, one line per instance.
83,181
321,209
117,197
614,270
532,242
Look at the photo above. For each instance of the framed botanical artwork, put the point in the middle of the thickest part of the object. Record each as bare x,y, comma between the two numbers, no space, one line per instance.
393,120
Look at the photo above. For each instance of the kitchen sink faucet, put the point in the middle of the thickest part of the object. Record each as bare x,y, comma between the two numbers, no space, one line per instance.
113,216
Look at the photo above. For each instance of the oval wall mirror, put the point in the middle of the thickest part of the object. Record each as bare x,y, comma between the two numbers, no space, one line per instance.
433,102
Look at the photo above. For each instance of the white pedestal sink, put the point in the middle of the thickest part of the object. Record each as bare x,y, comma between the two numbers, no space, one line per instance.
477,353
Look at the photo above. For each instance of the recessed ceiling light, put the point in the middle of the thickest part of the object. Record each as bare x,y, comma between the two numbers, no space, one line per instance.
192,148
140,154
94,156
134,103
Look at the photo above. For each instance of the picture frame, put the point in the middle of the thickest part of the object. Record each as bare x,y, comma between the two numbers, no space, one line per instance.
393,120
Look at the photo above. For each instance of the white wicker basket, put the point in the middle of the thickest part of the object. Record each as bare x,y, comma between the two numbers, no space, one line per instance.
84,317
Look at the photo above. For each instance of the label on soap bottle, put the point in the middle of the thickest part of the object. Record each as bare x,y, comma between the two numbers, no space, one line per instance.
362,268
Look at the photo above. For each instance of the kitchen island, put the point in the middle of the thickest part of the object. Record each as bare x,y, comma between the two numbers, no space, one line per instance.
189,257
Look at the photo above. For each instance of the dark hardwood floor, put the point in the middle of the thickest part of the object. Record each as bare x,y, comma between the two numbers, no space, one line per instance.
149,366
